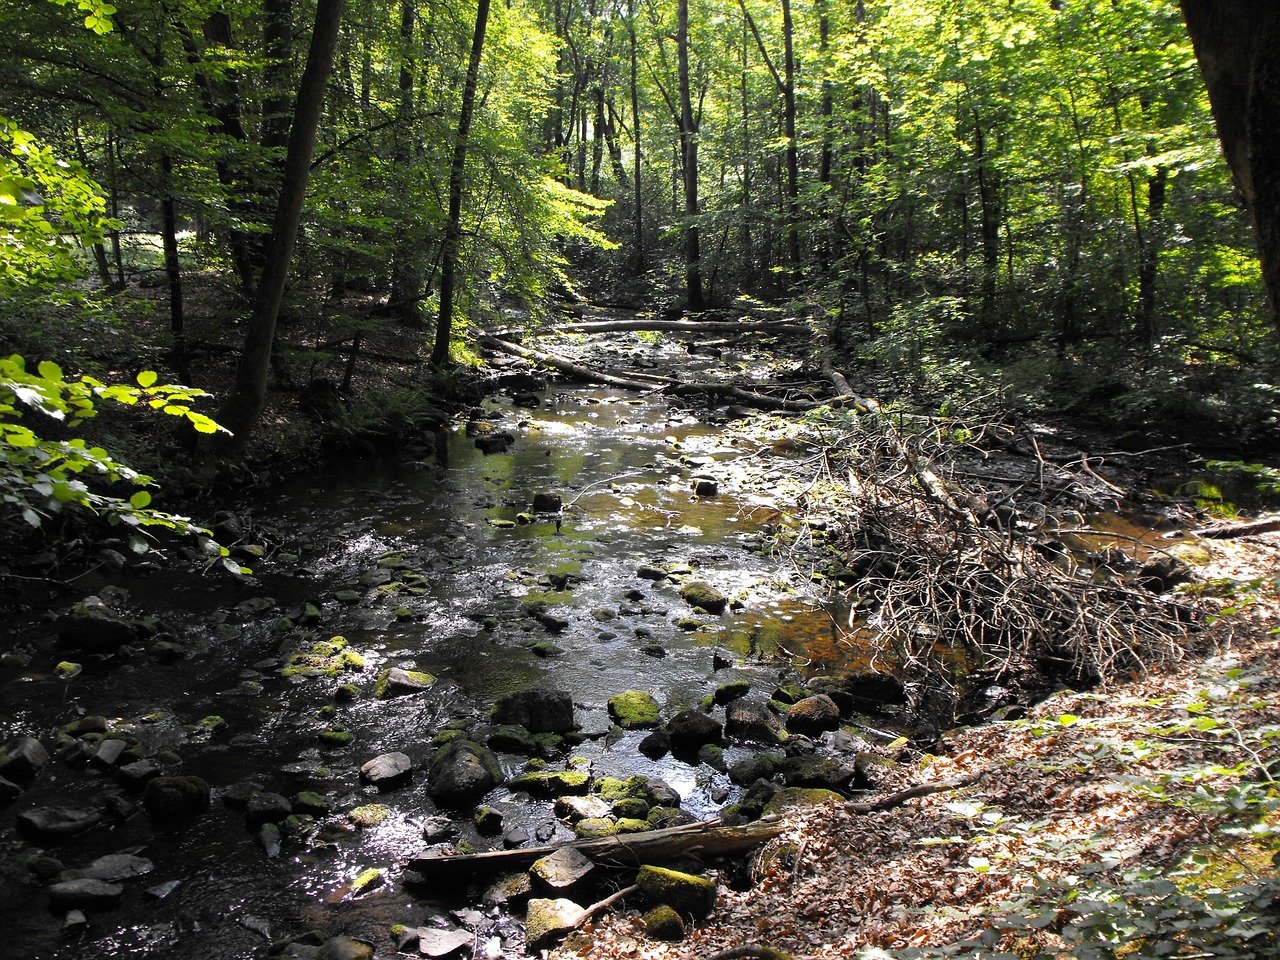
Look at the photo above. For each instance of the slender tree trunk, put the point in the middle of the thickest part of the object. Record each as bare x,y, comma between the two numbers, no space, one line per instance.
789,131
248,394
689,165
1149,254
1237,43
457,171
406,279
826,110
277,38
989,218
635,128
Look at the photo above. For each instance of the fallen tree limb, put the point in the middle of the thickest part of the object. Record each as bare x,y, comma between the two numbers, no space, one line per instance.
683,326
911,793
567,367
708,837
1227,531
750,397
605,904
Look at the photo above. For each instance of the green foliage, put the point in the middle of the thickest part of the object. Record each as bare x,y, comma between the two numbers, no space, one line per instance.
40,477
48,207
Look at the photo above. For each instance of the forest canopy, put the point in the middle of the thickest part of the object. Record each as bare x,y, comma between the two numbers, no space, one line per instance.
943,188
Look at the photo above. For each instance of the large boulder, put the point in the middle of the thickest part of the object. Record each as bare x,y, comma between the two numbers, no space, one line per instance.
461,772
863,689
540,711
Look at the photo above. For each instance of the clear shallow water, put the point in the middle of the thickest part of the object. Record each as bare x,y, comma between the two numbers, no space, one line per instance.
624,470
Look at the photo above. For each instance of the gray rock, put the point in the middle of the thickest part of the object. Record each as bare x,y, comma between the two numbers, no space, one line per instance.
237,795
22,758
574,809
8,789
563,870
441,943
400,681
117,866
539,711
267,807
136,775
56,823
547,503
85,894
108,753
388,771
462,772
269,839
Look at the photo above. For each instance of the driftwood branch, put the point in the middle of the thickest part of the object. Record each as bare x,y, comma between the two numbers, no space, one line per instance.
575,370
911,793
709,837
697,327
605,904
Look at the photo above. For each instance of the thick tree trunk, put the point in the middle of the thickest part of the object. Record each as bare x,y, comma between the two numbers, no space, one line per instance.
635,127
249,393
453,228
406,270
789,130
1237,43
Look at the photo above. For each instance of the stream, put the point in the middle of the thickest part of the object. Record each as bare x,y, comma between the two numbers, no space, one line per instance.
438,566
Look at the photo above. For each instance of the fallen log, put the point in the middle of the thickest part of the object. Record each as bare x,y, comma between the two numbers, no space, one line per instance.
684,326
567,367
750,397
709,837
1228,531
910,793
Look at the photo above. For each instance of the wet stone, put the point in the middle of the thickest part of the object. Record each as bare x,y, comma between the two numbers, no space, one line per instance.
171,798
237,795
345,948
574,809
117,866
703,596
442,943
539,711
388,771
56,823
266,807
753,721
269,839
548,920
108,753
22,758
85,894
690,729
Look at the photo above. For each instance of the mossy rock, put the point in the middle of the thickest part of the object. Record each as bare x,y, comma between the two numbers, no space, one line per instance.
369,814
346,693
546,649
631,807
734,690
634,710
800,798
213,724
592,827
368,880
552,783
310,802
394,681
703,596
631,825
685,893
334,737
663,923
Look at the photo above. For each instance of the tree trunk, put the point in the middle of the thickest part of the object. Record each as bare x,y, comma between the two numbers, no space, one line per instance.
453,228
406,272
248,394
635,127
1237,43
789,130
689,166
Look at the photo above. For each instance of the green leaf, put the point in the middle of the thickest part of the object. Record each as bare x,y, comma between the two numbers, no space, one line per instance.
147,378
140,500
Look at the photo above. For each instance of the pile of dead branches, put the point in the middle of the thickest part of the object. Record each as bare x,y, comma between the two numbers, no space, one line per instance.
949,585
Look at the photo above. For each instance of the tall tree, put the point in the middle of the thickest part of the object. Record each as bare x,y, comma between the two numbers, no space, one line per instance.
457,171
247,398
688,164
1237,43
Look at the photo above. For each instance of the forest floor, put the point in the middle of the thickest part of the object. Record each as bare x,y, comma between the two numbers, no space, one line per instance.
1125,818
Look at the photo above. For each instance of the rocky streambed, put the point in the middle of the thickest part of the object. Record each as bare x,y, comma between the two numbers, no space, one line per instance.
563,618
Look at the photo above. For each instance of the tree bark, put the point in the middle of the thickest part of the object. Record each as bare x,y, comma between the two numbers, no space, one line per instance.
457,170
635,128
1237,43
248,394
688,165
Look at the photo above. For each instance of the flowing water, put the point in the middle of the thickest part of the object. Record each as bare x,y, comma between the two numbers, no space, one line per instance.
623,468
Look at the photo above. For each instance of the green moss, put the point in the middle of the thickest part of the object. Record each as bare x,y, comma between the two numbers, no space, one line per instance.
66,670
334,737
593,827
800,798
663,923
634,710
631,825
551,783
631,808
346,692
213,723
685,893
368,880
369,815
